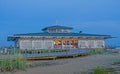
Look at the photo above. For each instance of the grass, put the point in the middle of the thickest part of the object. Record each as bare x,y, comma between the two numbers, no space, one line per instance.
116,62
100,70
97,51
10,65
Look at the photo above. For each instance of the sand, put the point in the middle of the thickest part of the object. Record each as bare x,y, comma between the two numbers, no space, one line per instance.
71,65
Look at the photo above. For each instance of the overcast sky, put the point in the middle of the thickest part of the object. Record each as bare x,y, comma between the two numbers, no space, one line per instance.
30,16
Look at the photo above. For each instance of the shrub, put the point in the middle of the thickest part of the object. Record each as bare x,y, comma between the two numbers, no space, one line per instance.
97,51
100,70
29,51
39,52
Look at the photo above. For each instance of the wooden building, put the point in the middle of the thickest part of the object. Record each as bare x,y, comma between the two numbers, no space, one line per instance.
58,37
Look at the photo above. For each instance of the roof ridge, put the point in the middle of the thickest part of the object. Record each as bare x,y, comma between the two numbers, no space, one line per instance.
57,26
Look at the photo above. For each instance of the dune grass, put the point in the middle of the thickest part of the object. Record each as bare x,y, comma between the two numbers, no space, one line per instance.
97,51
100,70
12,65
116,62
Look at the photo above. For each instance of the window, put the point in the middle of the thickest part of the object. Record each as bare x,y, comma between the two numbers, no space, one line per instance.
52,30
100,44
66,44
57,44
83,44
91,44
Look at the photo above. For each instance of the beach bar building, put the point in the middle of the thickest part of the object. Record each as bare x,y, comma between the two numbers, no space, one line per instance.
58,37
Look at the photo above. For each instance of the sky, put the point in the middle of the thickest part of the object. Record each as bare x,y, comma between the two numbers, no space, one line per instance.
89,16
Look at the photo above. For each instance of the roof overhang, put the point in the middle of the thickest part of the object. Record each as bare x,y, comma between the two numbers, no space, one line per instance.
13,38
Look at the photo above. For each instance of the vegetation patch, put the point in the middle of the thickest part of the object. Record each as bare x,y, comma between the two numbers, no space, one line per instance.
97,51
116,62
10,65
100,70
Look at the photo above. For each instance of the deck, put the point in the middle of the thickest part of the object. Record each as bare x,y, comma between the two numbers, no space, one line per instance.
70,53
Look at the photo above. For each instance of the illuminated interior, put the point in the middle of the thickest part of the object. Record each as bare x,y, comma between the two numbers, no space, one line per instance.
58,44
65,43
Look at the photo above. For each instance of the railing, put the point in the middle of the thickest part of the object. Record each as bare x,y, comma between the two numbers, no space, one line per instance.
48,54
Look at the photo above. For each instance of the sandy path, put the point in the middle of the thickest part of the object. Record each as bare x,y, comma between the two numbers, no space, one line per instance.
73,65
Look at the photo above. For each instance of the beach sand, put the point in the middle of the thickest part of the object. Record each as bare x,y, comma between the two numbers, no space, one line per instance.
71,65
78,65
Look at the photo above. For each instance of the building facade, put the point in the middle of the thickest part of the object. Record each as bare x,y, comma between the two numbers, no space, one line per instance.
58,37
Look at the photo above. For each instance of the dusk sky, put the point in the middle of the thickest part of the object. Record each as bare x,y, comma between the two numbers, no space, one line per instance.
89,16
